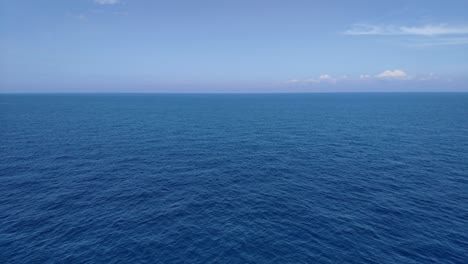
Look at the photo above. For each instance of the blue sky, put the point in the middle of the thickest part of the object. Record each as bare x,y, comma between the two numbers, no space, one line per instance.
232,46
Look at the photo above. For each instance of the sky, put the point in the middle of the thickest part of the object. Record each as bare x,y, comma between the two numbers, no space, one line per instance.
233,46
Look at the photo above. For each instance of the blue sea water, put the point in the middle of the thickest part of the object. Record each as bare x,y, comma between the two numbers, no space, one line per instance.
304,178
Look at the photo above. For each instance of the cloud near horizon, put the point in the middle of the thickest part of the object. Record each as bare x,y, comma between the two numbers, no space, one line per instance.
385,75
395,74
326,77
323,78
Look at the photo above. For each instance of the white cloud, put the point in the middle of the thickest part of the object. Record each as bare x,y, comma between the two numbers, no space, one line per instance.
321,79
437,42
364,29
388,75
395,74
426,30
106,2
296,81
431,30
327,78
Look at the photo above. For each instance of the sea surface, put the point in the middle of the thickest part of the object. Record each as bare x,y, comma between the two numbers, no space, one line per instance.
234,178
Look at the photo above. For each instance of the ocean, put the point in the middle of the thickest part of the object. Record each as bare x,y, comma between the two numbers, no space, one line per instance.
234,178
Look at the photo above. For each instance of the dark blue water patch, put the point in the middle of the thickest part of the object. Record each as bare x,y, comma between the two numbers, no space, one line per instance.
305,178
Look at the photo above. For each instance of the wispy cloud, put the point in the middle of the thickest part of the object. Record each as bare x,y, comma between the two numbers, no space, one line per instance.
437,41
387,75
365,77
106,2
426,30
415,36
81,17
326,78
323,78
297,81
392,74
433,30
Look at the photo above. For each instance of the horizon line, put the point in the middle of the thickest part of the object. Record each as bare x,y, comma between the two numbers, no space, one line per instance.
232,93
